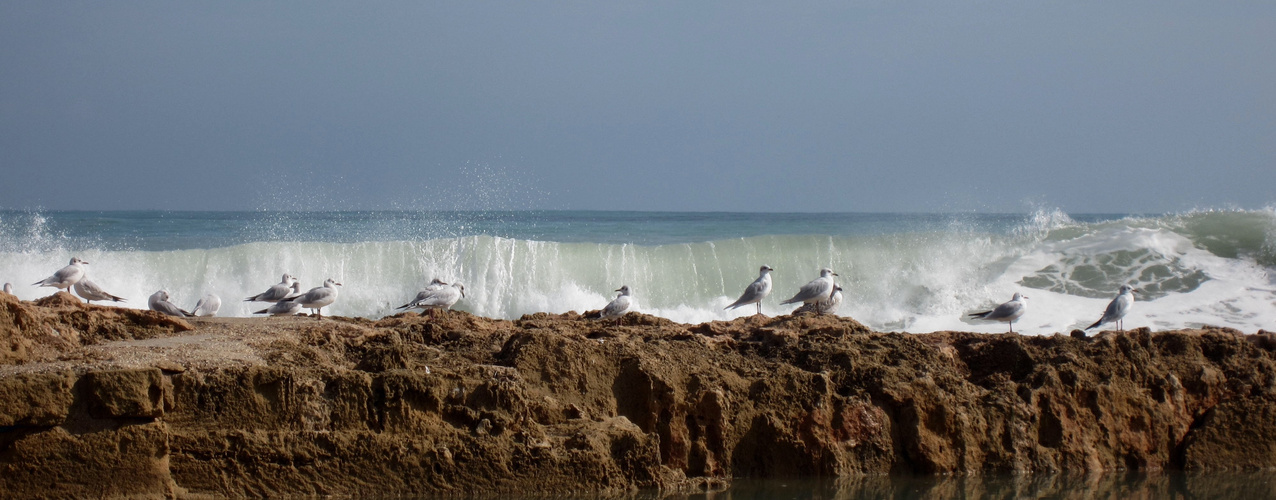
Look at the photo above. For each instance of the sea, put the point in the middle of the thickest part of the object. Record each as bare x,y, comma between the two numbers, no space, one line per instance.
910,272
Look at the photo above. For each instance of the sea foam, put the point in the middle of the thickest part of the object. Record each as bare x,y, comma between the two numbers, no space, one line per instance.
1196,269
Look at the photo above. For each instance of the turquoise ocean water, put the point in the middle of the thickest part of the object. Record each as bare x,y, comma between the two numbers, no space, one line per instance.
907,272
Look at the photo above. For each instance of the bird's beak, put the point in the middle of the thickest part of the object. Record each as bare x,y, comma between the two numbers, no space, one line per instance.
616,290
835,274
338,284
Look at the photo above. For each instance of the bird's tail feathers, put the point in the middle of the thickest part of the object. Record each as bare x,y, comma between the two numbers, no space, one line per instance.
1096,323
980,314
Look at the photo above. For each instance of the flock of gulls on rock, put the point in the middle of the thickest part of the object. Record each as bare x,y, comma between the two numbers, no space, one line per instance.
821,295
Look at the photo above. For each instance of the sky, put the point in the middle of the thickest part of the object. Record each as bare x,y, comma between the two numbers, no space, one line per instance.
846,106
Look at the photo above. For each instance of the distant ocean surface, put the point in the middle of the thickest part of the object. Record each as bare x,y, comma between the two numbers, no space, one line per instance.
902,272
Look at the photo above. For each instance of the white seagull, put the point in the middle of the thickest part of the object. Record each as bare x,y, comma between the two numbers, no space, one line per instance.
435,284
275,293
284,307
756,291
296,290
437,296
818,289
827,305
618,306
208,306
1118,308
319,297
159,302
90,291
65,277
1008,312
8,288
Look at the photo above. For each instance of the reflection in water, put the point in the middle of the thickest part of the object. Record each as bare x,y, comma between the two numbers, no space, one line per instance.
1135,486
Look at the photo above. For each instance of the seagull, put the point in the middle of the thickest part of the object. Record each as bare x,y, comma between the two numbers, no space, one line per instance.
159,302
437,296
423,294
65,277
274,293
756,291
296,290
284,307
1008,312
8,288
208,306
618,306
818,289
1117,308
90,291
319,297
827,305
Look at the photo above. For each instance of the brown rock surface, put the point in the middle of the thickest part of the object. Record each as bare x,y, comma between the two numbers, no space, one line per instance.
129,403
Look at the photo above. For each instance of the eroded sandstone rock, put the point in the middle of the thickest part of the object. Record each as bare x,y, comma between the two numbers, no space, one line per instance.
557,403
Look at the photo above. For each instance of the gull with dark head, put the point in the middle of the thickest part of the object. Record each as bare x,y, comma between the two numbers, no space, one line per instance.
1007,312
65,277
816,290
159,302
1118,308
756,291
319,297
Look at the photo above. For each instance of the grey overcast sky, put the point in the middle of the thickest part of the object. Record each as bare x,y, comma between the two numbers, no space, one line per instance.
1087,106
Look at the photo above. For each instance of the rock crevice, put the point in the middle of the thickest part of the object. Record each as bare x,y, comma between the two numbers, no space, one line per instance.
558,403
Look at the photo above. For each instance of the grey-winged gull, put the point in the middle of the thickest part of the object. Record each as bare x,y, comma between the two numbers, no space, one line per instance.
275,293
1007,312
827,305
438,296
208,306
1118,308
65,277
319,297
159,302
618,306
756,291
816,290
90,291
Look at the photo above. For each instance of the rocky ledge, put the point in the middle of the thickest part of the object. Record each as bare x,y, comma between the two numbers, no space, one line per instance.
98,401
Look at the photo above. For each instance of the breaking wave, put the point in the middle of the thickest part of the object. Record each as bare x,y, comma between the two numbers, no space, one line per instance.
1207,267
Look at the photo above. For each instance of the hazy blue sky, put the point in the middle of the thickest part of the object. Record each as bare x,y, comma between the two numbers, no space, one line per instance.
1130,106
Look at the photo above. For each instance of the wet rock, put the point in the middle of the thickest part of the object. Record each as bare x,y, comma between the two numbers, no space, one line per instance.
459,404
